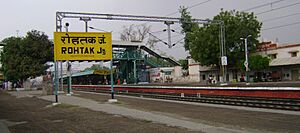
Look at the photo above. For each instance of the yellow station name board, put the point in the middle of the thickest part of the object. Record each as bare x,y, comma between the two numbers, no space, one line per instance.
82,46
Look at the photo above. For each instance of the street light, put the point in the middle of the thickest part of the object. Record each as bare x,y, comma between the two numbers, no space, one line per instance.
111,71
2,44
98,29
85,19
93,28
246,56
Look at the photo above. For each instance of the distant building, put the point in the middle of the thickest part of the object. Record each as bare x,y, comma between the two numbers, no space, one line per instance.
284,65
165,74
285,60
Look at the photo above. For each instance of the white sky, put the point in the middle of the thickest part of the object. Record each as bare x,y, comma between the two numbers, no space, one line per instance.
25,15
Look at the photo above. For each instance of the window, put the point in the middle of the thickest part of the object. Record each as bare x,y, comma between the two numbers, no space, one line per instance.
203,77
293,54
168,73
273,56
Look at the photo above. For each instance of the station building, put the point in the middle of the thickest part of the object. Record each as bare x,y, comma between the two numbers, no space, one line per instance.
284,65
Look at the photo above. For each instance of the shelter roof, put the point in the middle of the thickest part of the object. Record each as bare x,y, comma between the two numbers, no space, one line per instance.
285,61
117,43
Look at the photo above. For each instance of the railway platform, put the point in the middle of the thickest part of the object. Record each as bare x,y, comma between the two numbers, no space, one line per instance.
199,117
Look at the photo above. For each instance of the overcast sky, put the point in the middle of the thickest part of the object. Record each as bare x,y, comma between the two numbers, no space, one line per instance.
21,16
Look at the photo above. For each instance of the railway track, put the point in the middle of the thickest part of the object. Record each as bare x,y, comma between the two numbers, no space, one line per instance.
271,103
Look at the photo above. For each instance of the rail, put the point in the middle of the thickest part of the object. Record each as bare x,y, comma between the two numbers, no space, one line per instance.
272,103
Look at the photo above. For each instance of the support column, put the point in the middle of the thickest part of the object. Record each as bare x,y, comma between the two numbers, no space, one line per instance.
134,71
168,23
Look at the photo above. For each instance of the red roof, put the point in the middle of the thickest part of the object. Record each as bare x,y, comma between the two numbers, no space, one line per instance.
269,45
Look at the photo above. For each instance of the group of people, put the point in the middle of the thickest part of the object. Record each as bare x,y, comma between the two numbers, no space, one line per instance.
4,85
212,79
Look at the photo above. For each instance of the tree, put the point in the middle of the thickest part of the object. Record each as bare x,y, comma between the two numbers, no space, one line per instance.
184,64
258,62
8,58
137,33
187,25
202,41
26,57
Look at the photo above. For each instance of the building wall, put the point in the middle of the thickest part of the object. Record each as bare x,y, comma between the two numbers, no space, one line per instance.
177,71
165,74
154,74
200,73
194,67
281,51
284,53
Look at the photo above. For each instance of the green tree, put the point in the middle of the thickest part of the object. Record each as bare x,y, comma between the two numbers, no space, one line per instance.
26,57
8,58
203,43
184,64
258,62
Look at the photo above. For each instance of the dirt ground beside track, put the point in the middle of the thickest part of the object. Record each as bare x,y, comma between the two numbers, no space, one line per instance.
231,118
34,116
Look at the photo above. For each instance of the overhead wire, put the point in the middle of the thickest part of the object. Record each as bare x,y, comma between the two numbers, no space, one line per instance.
173,36
280,17
189,7
178,41
158,38
192,6
275,18
157,31
263,5
278,8
280,26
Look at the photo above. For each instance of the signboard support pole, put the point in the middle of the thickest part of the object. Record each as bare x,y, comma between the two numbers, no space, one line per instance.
58,28
61,78
69,73
111,79
55,81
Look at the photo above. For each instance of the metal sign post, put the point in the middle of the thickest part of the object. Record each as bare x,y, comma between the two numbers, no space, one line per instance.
81,46
112,79
57,28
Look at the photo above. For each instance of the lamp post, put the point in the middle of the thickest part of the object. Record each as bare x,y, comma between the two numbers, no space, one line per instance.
2,44
98,29
246,58
111,71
